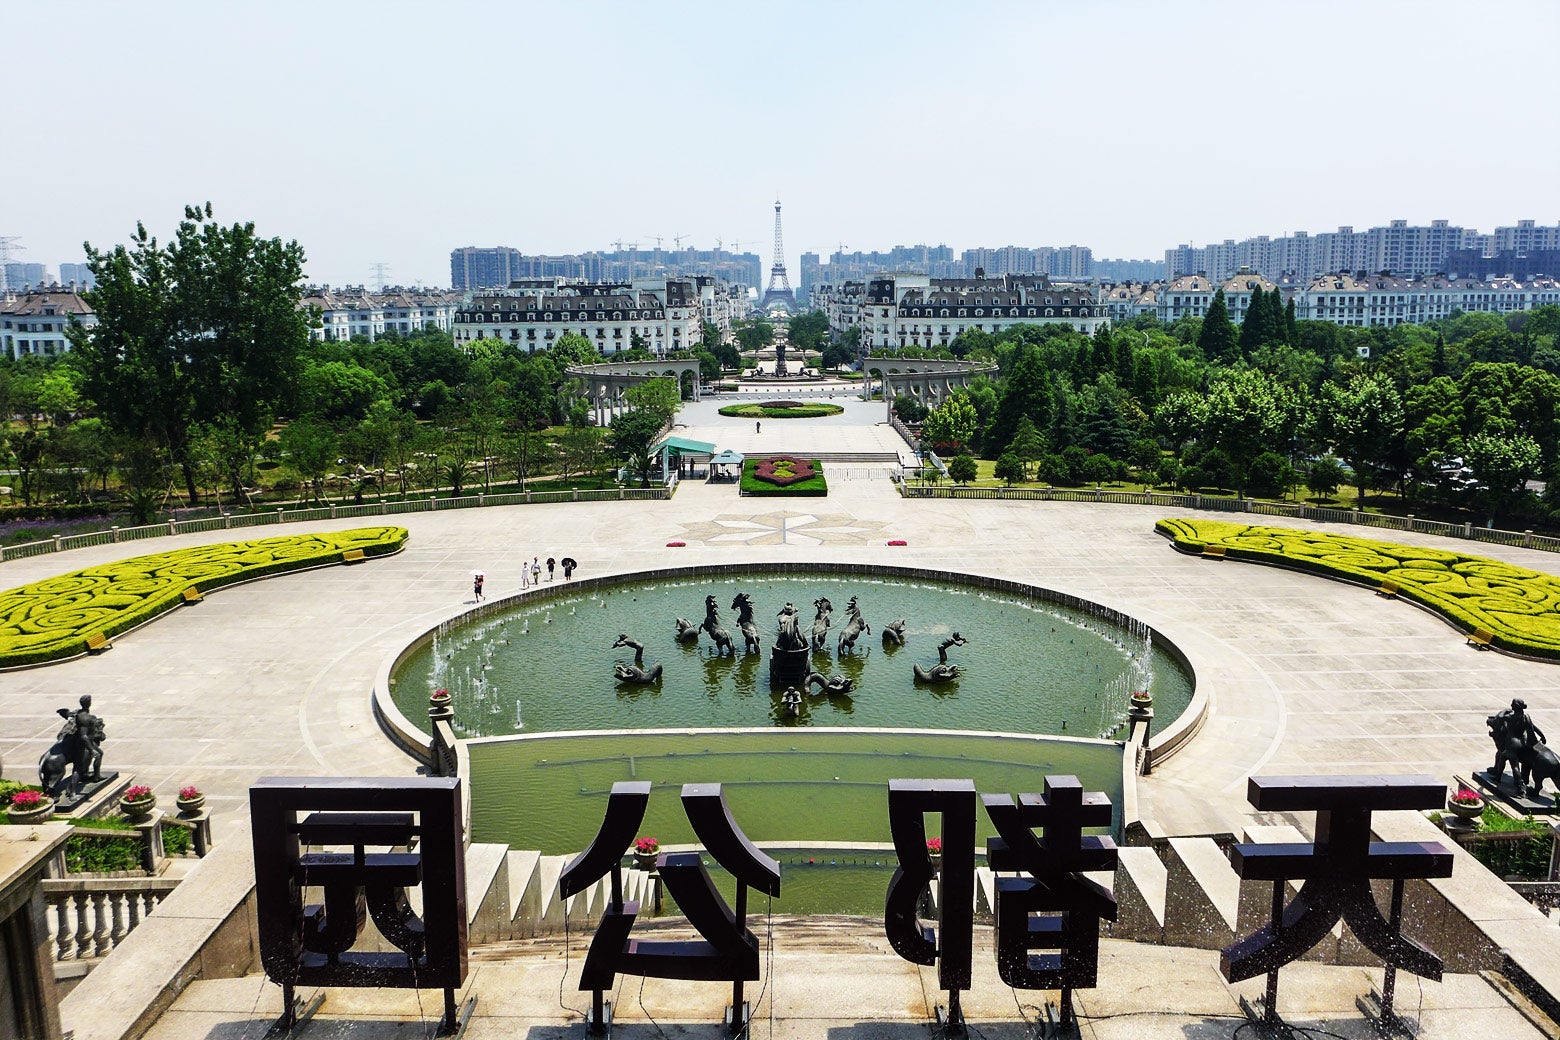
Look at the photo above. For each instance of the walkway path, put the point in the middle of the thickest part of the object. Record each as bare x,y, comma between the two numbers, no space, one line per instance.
1306,675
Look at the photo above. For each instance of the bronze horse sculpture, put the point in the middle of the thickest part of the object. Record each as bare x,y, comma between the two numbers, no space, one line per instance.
715,630
820,625
855,625
743,605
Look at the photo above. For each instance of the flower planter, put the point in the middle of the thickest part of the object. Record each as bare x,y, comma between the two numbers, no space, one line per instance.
139,809
190,806
42,813
1142,699
1469,811
645,860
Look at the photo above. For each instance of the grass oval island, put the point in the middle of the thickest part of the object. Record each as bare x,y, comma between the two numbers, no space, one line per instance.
780,410
51,620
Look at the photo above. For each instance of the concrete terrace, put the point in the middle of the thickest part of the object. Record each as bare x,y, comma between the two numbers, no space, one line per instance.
1304,674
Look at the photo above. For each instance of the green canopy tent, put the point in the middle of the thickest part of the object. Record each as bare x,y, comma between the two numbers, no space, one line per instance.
685,449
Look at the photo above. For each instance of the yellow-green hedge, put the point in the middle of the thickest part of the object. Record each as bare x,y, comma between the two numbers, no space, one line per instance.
51,619
1520,606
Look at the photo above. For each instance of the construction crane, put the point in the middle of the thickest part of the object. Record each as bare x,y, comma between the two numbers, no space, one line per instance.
678,240
658,240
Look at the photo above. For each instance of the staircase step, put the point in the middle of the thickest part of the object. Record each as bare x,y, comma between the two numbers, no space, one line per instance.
1139,886
1202,894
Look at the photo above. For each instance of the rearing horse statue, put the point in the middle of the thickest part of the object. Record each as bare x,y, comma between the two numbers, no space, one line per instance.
820,629
743,605
715,630
855,624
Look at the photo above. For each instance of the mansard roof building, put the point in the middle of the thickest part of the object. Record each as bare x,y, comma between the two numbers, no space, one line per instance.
667,314
33,323
354,311
918,311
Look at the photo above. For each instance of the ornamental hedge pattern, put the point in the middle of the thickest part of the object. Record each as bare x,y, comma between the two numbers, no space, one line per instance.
1520,606
784,475
51,619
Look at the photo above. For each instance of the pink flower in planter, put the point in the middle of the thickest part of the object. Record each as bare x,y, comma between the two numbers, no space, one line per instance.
647,846
934,846
187,793
1467,796
138,792
26,800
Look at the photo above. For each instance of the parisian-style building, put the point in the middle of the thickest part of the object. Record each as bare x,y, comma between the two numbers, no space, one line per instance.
353,311
1343,298
915,310
33,323
665,314
1069,263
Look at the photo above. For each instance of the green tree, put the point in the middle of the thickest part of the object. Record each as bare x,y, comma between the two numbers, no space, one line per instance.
1028,444
1217,339
1270,476
953,422
963,469
311,446
755,335
1026,393
1363,420
633,438
1324,477
208,325
1504,465
1010,468
1098,468
660,397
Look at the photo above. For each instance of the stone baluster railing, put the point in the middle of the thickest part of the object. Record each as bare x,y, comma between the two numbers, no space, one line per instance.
91,916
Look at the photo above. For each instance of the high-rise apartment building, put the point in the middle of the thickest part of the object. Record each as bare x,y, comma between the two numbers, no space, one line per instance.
79,275
495,268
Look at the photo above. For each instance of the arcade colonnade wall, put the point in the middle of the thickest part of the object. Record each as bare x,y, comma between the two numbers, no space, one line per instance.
605,386
930,382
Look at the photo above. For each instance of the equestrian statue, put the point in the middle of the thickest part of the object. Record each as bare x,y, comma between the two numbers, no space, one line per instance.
1520,743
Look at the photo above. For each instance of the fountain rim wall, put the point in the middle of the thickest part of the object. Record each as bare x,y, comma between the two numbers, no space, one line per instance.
414,740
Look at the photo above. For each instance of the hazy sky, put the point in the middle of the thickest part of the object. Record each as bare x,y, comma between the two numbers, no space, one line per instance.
393,132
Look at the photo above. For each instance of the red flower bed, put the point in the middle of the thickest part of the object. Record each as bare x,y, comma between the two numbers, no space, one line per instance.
783,471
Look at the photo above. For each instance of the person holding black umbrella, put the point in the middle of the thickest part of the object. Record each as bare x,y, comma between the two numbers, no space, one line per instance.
568,567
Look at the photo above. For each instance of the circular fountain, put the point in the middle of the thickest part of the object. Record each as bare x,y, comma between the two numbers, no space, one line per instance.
1043,685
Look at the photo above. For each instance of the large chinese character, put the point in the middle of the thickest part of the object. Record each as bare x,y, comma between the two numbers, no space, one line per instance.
1055,909
729,950
1337,870
948,944
298,826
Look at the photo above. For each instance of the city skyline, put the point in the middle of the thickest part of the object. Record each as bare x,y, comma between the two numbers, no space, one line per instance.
1002,124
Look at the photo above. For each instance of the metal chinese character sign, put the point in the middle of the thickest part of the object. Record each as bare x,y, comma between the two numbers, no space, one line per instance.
1047,922
315,835
1055,909
1336,871
729,950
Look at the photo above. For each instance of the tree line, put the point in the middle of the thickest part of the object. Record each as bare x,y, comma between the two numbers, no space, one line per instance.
1456,415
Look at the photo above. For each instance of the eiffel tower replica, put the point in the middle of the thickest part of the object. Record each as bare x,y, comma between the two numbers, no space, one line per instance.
779,292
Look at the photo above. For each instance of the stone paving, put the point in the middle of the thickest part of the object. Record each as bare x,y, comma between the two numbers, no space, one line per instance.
1304,675
272,677
836,981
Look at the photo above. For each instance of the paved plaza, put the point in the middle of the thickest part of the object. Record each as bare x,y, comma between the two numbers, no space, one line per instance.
273,677
1304,675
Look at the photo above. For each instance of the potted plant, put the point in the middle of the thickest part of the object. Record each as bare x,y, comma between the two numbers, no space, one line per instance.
1466,803
1142,699
439,698
934,852
190,800
29,806
137,802
645,852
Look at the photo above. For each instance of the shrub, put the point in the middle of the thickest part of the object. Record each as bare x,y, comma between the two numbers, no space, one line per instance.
785,410
1520,606
963,469
51,619
1098,468
752,484
1052,469
1010,468
1270,476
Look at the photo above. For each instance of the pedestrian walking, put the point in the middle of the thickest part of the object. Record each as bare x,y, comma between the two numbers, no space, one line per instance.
551,563
477,578
758,427
536,570
525,575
